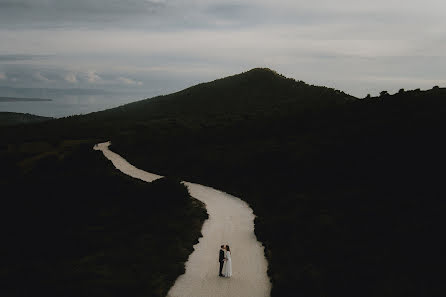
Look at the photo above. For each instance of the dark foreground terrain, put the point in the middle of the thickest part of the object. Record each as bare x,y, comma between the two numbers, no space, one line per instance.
348,192
73,225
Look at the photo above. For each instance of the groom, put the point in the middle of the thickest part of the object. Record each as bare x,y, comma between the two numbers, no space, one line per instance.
221,259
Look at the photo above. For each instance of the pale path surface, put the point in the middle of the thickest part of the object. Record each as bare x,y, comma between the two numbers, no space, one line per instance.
124,166
231,221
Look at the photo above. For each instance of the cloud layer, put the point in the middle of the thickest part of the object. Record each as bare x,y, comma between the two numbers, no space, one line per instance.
159,46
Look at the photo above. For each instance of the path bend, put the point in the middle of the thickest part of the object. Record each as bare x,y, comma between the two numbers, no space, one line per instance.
231,221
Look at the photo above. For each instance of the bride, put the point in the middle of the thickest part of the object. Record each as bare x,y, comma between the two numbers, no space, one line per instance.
227,268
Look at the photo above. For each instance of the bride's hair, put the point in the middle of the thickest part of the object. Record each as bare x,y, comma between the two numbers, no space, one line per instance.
227,248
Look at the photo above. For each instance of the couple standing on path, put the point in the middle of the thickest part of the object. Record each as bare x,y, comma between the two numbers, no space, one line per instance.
225,261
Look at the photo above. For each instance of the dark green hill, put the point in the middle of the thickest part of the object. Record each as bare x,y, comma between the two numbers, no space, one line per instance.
259,91
350,189
256,94
348,192
14,118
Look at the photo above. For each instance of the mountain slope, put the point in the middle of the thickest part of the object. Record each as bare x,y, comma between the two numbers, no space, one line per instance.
13,118
256,91
350,188
348,193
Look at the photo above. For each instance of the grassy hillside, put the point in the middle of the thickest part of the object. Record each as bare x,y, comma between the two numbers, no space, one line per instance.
14,118
73,225
348,192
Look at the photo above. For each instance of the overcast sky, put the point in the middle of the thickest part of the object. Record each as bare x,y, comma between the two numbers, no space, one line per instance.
159,46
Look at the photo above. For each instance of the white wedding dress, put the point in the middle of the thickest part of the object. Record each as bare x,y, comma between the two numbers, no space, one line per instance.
227,268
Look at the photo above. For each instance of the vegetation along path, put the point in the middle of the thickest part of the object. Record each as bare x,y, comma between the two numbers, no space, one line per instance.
231,221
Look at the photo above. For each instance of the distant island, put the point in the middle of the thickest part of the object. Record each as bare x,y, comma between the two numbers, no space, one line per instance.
14,99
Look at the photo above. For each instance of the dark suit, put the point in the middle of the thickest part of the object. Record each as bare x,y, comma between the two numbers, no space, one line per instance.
221,259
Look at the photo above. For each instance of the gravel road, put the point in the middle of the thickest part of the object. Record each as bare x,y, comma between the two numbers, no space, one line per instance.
231,221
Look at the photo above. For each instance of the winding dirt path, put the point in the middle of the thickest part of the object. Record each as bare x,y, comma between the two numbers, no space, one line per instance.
231,221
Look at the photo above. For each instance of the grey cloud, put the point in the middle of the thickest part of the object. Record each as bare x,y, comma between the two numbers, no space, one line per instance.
66,13
96,6
48,92
229,10
31,76
156,47
177,14
13,58
21,75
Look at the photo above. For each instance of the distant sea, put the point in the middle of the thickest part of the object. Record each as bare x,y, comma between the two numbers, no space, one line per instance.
62,105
